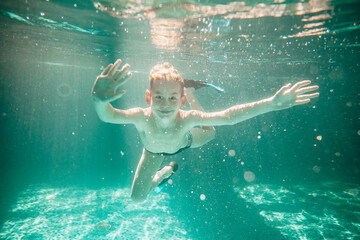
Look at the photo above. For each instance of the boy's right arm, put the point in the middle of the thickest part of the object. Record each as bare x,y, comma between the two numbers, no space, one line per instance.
105,91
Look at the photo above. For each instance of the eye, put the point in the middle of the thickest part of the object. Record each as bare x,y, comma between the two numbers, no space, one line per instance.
172,98
158,97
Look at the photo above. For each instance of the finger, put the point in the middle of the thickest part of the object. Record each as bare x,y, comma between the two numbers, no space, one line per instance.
116,66
107,69
121,72
300,84
283,88
307,89
313,95
120,93
126,66
123,79
117,95
300,102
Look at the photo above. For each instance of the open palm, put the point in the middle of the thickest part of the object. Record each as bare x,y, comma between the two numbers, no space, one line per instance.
107,83
289,96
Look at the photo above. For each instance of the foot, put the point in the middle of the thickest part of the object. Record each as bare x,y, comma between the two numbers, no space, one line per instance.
173,167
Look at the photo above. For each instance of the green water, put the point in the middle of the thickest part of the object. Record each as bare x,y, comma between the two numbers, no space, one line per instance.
292,174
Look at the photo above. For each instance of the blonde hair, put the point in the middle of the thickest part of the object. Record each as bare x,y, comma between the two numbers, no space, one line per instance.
165,71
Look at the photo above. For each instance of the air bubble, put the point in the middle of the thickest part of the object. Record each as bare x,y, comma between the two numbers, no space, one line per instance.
316,169
64,90
249,176
232,153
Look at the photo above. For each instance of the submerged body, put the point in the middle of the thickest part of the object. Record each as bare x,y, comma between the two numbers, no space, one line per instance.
164,127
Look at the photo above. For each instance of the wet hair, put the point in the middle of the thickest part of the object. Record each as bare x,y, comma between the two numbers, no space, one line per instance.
165,71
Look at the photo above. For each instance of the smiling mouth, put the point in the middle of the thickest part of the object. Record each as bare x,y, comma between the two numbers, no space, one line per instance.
165,112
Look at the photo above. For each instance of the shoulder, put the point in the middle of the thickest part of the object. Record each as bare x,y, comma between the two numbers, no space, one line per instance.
133,115
142,117
191,117
191,114
135,112
147,113
199,118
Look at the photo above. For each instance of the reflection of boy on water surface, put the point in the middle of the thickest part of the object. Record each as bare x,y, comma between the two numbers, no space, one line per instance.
165,128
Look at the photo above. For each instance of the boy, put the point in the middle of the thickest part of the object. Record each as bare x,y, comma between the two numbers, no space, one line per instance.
164,128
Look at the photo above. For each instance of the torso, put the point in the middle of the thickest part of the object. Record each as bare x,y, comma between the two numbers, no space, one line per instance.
163,140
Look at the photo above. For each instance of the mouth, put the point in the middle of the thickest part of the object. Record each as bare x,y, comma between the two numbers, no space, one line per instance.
164,111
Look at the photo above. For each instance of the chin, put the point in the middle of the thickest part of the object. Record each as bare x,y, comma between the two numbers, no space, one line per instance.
167,117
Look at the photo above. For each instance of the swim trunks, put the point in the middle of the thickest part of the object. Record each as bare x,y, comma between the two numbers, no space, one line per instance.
189,138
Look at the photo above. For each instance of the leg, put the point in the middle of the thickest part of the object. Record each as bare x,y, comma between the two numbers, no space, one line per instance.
162,174
147,175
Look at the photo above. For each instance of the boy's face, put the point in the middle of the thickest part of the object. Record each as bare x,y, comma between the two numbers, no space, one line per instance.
165,98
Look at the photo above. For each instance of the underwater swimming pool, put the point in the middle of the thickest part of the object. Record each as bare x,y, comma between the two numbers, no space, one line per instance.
292,174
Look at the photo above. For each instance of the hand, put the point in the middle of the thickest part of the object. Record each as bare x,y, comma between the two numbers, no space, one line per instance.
289,96
107,83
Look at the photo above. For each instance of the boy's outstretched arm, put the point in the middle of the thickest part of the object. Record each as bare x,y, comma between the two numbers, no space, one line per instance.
105,91
288,96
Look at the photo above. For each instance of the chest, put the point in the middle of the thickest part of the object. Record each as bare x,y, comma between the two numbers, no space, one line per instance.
167,135
157,139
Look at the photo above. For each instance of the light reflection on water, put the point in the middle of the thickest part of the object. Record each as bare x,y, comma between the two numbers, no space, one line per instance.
326,211
77,213
222,33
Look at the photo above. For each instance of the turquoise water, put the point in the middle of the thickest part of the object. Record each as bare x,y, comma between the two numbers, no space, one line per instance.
292,174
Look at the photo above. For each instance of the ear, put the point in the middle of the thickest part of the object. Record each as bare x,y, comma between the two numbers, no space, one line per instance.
147,97
183,100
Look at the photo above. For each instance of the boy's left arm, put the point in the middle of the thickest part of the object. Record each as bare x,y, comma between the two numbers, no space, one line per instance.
288,96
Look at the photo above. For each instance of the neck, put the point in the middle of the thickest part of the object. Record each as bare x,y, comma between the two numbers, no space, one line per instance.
164,123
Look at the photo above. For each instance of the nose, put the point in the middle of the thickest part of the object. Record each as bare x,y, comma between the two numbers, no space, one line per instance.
165,103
